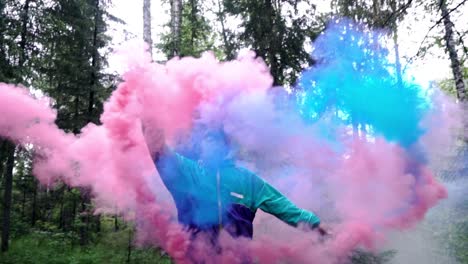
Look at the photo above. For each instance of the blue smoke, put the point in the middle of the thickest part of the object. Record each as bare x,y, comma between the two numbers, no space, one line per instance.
354,80
208,145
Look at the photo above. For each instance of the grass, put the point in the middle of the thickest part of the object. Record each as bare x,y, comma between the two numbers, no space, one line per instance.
62,248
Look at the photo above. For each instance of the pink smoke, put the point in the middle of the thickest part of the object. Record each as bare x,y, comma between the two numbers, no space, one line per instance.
369,191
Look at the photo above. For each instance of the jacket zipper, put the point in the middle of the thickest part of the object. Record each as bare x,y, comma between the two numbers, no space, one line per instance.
220,217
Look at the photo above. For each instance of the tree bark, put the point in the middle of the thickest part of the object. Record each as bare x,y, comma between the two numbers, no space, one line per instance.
83,225
24,32
94,81
397,59
23,202
228,47
3,145
393,6
116,223
73,209
8,181
34,205
61,222
176,19
84,217
94,63
345,5
193,18
98,223
147,25
376,12
129,246
451,48
3,58
273,48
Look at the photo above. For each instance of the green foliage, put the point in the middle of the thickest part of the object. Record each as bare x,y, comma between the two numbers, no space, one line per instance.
375,14
278,33
58,248
363,257
55,46
457,237
5,67
71,65
448,85
197,35
59,52
459,241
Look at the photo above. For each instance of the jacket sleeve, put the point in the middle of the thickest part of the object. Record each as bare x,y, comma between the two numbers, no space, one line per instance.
270,200
175,170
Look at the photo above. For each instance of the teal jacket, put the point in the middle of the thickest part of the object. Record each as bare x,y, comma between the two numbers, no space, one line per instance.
224,197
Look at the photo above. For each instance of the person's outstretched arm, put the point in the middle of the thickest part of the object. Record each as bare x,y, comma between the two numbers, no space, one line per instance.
176,171
273,202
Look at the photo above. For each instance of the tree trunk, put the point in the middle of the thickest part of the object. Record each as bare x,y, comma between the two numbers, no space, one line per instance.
94,63
129,246
84,217
67,219
34,205
24,32
451,48
147,25
74,207
20,78
376,13
116,223
346,4
393,6
83,225
397,59
176,19
376,26
8,181
61,223
94,81
76,126
193,18
2,39
23,202
98,223
273,48
3,156
228,48
48,204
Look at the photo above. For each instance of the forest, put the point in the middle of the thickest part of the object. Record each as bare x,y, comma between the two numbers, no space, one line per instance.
62,49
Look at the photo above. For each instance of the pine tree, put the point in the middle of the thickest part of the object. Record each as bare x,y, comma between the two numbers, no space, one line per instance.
278,32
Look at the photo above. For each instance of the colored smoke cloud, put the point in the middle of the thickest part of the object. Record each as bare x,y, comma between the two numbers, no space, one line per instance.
365,184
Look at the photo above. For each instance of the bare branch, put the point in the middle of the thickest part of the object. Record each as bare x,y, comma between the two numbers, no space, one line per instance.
397,13
430,29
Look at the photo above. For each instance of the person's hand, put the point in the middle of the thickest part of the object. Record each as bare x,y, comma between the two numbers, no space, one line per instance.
155,140
324,230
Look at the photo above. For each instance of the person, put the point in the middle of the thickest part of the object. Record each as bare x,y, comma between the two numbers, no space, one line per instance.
217,194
